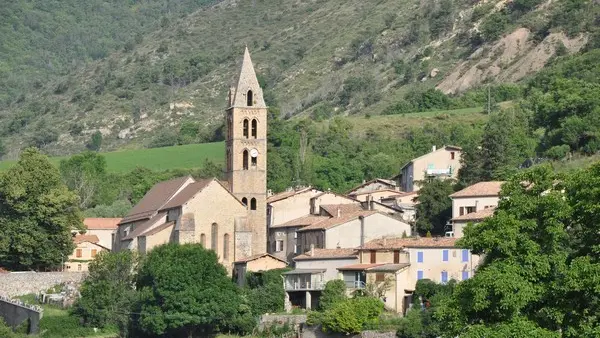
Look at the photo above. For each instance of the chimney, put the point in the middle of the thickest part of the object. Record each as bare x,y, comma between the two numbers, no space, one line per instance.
370,202
312,250
433,148
362,231
384,242
339,212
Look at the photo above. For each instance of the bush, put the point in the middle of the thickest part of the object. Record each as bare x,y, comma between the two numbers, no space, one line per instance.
493,26
400,107
352,315
558,152
335,292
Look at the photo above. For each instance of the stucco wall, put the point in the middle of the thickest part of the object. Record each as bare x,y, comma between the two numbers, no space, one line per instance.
104,236
329,198
376,226
264,264
479,202
287,235
440,159
330,266
215,205
432,265
86,256
292,207
162,237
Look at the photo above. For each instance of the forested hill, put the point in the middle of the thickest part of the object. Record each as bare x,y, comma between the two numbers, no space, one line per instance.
134,71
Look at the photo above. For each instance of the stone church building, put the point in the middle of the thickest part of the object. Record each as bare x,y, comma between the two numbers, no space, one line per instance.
228,217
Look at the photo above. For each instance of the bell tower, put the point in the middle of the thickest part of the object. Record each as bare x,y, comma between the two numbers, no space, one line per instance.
246,172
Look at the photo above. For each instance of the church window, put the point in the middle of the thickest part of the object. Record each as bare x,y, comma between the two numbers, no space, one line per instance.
246,126
245,201
250,99
253,204
214,236
254,161
245,162
203,240
254,128
226,247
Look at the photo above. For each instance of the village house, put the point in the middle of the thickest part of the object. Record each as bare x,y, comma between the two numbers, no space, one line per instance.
398,263
255,263
377,185
405,202
229,217
439,163
304,284
103,228
471,204
86,249
292,210
349,226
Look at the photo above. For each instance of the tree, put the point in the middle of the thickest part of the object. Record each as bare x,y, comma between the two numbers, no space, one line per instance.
334,292
95,142
84,174
435,207
37,214
265,292
2,149
107,293
184,291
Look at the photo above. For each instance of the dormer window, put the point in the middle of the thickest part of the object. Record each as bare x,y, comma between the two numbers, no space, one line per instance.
250,98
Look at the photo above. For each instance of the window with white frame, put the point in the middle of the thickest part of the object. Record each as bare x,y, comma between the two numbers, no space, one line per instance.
278,246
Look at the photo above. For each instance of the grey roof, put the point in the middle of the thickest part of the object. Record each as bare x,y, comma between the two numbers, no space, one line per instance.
303,271
389,267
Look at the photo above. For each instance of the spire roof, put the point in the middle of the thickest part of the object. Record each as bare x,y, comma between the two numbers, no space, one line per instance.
247,81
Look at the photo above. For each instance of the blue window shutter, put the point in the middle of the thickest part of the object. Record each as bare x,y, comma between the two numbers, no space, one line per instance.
419,274
465,255
445,255
420,257
444,276
465,275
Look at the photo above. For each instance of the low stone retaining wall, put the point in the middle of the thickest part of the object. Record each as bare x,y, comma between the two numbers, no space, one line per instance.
268,320
315,332
15,284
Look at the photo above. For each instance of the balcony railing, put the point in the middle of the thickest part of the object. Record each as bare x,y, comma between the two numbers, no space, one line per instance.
308,285
355,284
435,172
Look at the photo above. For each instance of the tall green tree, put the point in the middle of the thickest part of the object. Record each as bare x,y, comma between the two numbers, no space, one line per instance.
108,293
84,174
37,214
185,292
435,207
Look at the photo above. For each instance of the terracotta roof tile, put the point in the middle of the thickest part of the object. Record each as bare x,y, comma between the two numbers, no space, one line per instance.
86,238
328,254
360,266
186,194
480,189
301,222
101,223
334,221
476,216
332,209
154,199
413,242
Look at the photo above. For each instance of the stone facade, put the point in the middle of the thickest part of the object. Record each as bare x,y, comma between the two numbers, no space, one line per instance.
439,163
246,148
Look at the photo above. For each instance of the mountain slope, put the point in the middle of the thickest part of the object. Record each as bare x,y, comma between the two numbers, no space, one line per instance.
313,57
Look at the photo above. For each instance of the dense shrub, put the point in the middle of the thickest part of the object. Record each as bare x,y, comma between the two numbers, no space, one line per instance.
352,315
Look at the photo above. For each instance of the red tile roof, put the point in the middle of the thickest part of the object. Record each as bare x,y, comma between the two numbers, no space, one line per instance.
86,238
332,209
101,223
412,242
328,254
476,216
335,221
302,221
360,266
480,189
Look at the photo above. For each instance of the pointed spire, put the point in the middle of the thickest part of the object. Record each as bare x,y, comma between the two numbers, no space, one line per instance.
247,84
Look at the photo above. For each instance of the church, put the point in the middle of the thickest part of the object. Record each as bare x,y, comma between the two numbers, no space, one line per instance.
229,216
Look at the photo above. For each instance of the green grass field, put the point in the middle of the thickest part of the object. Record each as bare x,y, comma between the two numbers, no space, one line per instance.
178,157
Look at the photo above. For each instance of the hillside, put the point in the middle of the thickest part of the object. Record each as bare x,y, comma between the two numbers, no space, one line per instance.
327,57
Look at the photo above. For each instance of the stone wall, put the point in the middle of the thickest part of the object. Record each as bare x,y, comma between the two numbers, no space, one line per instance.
269,320
22,283
15,312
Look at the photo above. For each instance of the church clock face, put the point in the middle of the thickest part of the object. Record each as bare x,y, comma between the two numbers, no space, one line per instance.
254,152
